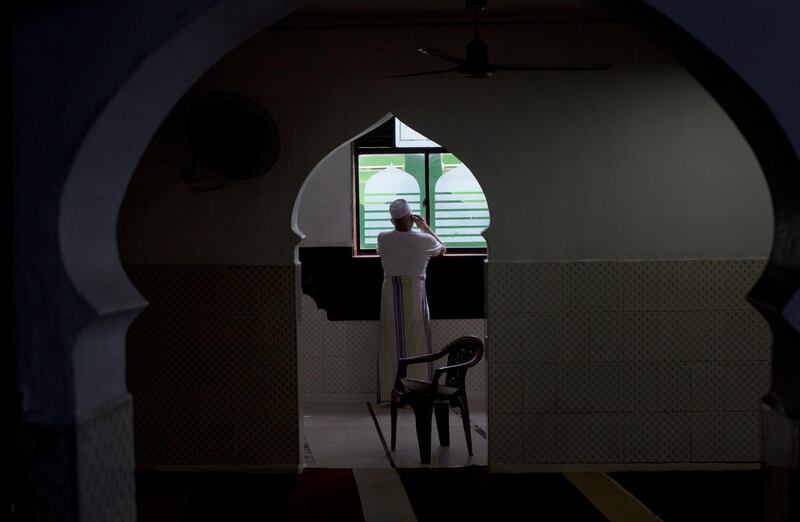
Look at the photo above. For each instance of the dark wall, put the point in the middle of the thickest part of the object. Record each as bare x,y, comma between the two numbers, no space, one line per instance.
211,366
349,288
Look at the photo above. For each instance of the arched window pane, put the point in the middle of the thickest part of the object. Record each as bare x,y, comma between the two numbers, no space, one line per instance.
382,179
459,210
438,185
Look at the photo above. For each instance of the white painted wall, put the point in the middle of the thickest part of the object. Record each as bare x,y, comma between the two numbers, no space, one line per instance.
646,166
326,208
637,162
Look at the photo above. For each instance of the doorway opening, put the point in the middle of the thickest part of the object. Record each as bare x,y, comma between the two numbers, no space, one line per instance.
344,425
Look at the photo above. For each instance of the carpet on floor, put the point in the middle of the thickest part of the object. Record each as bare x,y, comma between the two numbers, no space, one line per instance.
472,493
316,494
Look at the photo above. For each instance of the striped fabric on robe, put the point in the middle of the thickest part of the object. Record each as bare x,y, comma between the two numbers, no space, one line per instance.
404,330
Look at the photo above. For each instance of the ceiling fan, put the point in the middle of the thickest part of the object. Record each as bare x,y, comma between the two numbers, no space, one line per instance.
476,61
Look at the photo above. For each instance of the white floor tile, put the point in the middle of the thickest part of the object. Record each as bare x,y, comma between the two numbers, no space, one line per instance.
344,435
325,434
324,421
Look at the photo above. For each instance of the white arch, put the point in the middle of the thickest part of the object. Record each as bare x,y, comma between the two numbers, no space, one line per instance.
103,166
299,198
317,168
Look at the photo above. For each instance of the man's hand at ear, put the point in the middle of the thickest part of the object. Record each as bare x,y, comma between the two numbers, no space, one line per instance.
420,222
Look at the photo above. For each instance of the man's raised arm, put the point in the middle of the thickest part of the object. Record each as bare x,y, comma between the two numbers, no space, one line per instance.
425,228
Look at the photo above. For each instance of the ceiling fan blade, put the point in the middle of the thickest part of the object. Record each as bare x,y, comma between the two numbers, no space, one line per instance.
424,73
554,67
442,56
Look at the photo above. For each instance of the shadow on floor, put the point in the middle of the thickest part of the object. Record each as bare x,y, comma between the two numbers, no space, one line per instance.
696,495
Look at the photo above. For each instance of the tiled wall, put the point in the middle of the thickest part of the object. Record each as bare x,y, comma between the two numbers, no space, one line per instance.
338,358
212,366
106,465
81,471
592,363
624,362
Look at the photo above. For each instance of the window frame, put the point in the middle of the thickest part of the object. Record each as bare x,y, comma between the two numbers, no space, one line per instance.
357,151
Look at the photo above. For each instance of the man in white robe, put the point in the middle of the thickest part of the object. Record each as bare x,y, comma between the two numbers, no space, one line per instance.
405,320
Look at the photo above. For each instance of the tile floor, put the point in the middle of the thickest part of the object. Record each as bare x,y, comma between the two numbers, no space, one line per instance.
344,435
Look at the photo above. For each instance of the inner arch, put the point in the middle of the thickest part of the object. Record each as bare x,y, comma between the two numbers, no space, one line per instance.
434,180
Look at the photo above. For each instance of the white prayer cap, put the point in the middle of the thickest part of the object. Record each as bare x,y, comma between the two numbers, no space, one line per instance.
399,208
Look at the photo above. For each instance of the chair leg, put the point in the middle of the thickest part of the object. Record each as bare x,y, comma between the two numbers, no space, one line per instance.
423,411
442,411
393,408
465,420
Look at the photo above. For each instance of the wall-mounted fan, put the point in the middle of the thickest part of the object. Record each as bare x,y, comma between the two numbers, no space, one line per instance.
476,62
232,136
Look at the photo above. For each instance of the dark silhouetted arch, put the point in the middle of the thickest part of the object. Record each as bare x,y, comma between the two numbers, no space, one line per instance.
780,283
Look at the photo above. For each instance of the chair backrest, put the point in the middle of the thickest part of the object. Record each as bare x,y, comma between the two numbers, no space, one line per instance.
462,350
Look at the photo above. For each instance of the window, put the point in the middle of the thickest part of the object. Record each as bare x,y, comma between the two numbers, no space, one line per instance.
395,161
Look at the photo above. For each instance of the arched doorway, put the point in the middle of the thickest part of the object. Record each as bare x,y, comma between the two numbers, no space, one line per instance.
341,277
573,159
